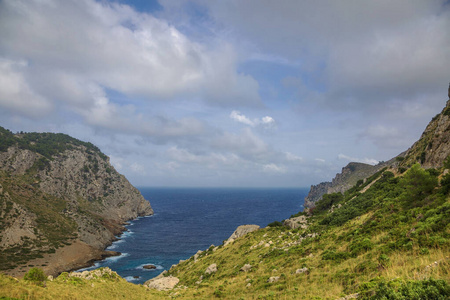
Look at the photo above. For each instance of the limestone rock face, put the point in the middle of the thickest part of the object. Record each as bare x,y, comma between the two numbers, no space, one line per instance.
433,147
431,151
343,181
241,231
55,189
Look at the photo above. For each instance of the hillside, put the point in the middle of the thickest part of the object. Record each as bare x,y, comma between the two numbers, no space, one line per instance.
387,236
59,198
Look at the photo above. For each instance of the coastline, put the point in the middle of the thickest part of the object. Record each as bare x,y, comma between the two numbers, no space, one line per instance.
75,256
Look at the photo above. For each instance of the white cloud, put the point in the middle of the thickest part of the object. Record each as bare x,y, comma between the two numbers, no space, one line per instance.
79,49
370,161
237,116
15,93
267,121
293,158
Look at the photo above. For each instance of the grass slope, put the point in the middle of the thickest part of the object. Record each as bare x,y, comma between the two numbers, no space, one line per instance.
386,238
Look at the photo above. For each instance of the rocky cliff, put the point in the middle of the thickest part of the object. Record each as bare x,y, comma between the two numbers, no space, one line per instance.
57,191
343,181
431,151
433,147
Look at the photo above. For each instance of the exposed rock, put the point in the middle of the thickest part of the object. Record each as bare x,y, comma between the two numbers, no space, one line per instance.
196,255
301,271
296,222
211,269
246,268
352,296
84,195
162,283
433,147
273,279
343,181
95,274
241,231
149,267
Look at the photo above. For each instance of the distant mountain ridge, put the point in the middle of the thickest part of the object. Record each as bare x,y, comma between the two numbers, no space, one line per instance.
57,191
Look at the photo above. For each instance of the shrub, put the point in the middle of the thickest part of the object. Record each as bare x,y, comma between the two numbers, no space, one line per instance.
35,275
275,224
409,290
328,200
417,184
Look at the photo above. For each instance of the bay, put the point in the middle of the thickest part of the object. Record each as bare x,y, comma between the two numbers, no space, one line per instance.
190,219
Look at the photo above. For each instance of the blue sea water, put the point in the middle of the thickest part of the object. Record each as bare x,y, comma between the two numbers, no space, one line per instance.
187,220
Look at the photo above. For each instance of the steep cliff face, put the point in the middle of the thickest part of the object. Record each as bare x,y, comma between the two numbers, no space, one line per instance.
431,151
343,181
433,147
55,191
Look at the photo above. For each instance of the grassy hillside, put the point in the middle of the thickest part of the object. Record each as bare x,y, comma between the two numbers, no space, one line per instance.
387,237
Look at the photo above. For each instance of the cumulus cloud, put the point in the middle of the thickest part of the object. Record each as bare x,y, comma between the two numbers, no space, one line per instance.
267,121
71,52
376,51
15,93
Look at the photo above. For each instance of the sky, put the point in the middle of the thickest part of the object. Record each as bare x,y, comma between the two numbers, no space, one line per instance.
252,93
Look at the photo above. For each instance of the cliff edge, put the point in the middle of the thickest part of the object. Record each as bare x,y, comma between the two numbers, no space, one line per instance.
57,193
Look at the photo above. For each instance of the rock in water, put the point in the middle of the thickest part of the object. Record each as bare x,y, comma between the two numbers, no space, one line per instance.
149,267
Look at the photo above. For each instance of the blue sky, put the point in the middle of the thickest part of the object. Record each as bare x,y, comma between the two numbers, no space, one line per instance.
226,93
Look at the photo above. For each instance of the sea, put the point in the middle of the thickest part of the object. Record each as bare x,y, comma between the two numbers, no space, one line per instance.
186,220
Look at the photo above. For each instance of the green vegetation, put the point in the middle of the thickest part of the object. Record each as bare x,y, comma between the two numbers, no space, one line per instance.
47,144
387,237
52,229
35,275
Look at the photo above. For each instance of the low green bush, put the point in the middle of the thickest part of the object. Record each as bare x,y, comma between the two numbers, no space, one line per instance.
35,275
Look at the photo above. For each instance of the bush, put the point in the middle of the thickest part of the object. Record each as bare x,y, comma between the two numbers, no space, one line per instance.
275,224
417,184
328,200
35,275
409,290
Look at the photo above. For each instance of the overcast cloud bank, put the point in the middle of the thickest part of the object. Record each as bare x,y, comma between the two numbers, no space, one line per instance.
227,93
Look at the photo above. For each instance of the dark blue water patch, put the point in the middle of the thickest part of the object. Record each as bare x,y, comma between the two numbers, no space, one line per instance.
188,220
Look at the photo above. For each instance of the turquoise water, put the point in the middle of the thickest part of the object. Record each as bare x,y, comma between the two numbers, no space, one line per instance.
188,220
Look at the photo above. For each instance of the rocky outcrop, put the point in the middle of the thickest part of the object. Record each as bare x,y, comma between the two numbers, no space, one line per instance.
212,268
54,190
296,222
343,181
162,283
433,147
431,151
241,231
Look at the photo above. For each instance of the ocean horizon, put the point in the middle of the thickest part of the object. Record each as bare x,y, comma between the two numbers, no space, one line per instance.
189,219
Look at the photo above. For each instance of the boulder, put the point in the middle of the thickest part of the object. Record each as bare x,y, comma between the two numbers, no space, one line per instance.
149,267
273,279
296,222
241,231
302,270
246,268
162,283
211,269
